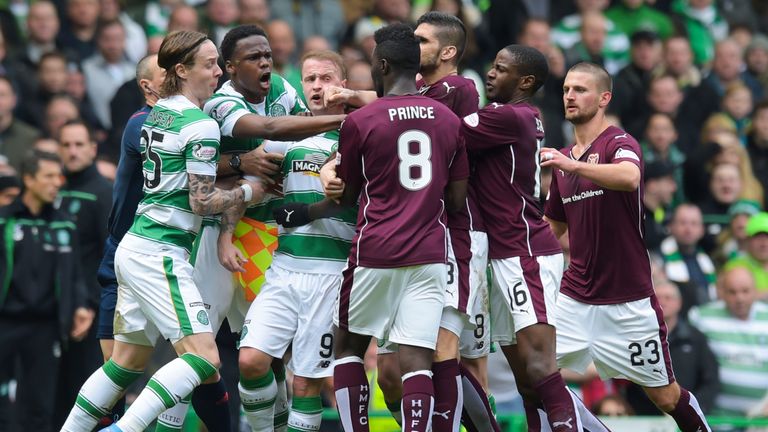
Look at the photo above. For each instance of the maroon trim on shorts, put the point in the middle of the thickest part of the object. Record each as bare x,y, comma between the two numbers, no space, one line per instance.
461,243
663,337
344,294
532,276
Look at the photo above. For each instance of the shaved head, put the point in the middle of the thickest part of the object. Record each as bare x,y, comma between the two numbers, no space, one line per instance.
602,77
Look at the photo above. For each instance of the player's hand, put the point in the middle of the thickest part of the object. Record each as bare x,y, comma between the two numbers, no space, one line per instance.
256,186
258,162
81,322
553,158
275,188
230,257
333,96
292,215
332,185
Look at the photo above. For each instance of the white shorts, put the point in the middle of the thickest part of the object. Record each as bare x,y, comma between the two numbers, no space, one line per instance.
625,340
220,290
401,305
475,340
294,308
156,294
524,293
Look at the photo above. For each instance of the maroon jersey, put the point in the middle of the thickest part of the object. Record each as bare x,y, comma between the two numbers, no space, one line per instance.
401,152
609,262
504,141
460,95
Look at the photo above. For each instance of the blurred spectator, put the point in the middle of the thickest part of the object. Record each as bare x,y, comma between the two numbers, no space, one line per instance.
219,18
183,17
717,132
79,31
359,76
737,328
660,187
44,305
694,362
612,42
384,12
76,88
47,145
16,136
737,105
320,17
549,98
135,39
592,45
315,43
756,257
728,66
631,85
741,33
52,80
631,16
757,144
60,109
255,12
732,241
86,197
725,188
10,188
613,406
685,262
756,58
663,97
283,44
157,14
659,145
703,25
107,70
678,62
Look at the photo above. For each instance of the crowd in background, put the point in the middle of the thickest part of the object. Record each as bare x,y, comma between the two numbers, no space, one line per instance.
690,81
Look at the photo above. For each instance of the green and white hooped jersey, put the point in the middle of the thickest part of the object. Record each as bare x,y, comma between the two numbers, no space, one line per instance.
227,105
321,246
177,139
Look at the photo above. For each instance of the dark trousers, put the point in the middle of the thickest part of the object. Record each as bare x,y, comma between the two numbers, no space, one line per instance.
78,361
36,347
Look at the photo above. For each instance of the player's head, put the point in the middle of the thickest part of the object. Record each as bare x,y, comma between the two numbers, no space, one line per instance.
248,59
150,77
442,39
41,174
320,70
396,55
189,59
586,91
517,72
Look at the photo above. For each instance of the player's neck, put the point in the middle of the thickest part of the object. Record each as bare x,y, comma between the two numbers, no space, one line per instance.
441,72
249,96
587,132
400,86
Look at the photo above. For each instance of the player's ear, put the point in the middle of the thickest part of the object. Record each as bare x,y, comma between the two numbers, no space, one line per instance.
384,66
344,83
448,52
229,67
526,82
605,98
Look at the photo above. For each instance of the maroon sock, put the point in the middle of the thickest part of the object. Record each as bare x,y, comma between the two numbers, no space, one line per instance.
352,394
418,402
688,414
448,397
477,415
558,403
532,415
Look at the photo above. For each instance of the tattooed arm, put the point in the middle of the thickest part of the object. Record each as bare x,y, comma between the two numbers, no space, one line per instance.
206,199
229,256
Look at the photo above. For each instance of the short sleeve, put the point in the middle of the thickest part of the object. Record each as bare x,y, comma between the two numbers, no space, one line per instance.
460,163
201,151
487,128
226,110
349,163
553,208
295,104
623,148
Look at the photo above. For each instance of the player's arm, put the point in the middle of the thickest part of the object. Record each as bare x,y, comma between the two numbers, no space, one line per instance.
356,98
557,227
458,173
455,195
623,176
206,199
487,128
230,257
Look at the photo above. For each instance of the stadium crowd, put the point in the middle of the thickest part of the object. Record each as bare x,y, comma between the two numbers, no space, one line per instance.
690,83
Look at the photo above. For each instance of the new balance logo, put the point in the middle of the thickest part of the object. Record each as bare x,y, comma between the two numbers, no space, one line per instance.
442,414
565,423
448,88
324,364
288,215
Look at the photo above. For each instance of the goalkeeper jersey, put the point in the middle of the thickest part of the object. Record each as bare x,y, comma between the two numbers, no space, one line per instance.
321,246
227,105
177,139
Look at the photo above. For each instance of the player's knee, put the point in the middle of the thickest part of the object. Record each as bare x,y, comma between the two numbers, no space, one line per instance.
390,383
253,363
306,387
665,398
540,367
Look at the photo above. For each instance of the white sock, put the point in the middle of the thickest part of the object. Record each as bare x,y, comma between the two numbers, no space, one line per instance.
281,407
97,395
168,386
258,399
306,414
172,419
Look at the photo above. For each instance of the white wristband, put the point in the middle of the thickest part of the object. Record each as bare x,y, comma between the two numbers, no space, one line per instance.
247,192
